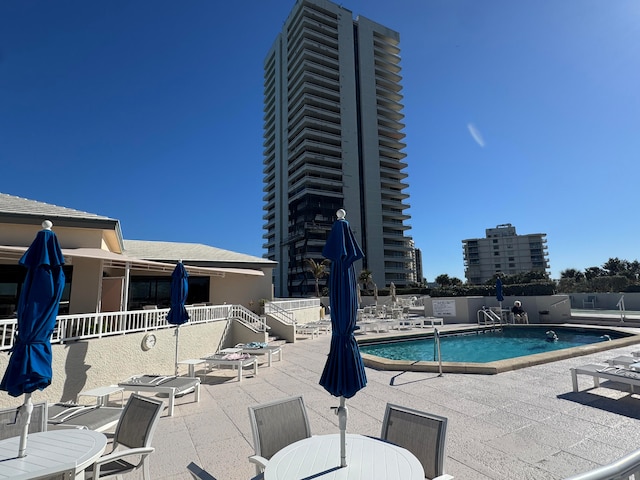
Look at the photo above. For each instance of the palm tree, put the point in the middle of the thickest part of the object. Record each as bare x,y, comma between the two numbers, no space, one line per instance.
443,280
318,270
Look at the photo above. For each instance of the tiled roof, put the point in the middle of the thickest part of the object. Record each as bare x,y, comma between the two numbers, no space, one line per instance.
11,205
188,252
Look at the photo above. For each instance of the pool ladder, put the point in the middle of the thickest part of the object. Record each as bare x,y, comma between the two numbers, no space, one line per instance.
487,317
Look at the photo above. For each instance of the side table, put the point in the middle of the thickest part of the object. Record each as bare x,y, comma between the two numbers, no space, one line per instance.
102,394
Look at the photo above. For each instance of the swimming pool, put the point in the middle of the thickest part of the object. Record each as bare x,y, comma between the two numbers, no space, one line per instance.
484,351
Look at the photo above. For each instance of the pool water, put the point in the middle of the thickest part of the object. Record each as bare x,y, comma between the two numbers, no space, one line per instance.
490,346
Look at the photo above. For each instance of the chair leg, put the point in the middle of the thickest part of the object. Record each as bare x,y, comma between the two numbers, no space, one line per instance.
145,470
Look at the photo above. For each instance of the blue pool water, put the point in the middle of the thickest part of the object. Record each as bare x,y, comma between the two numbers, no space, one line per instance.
489,346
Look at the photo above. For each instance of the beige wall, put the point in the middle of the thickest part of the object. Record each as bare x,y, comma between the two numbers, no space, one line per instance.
241,289
23,235
83,365
85,285
466,308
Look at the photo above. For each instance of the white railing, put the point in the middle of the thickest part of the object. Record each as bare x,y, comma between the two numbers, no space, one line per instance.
281,314
292,304
247,317
98,325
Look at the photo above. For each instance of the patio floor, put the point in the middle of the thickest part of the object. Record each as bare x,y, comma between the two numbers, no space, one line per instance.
523,424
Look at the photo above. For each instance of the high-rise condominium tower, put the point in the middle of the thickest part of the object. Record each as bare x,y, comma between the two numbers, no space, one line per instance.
504,251
333,139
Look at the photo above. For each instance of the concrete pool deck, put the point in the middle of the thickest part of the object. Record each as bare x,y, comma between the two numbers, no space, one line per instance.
521,424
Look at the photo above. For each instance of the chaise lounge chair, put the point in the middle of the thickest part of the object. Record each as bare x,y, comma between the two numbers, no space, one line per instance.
622,361
236,360
256,348
92,417
615,374
169,385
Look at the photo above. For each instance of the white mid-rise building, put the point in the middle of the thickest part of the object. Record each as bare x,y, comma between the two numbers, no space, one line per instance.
503,251
333,139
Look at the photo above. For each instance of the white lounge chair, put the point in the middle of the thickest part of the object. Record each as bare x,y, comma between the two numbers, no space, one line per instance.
92,417
169,385
269,350
615,374
622,361
234,360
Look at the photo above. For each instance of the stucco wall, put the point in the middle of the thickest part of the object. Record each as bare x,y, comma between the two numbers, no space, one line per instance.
23,235
241,289
83,365
466,308
85,286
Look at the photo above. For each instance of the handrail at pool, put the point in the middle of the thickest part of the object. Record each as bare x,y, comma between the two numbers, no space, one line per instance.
623,468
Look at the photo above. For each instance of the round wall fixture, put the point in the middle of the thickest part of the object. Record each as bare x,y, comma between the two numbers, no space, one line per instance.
148,341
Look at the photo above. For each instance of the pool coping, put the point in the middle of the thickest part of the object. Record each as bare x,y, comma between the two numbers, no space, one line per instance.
499,366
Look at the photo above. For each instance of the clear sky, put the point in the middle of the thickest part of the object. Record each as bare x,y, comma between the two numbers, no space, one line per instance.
150,111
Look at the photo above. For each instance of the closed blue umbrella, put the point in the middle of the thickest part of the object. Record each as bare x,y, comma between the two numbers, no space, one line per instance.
29,367
499,295
343,375
178,313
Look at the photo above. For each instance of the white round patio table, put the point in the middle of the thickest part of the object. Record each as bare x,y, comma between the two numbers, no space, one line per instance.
318,457
48,450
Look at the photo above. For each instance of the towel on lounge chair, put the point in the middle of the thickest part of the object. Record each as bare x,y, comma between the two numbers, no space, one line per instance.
235,356
252,345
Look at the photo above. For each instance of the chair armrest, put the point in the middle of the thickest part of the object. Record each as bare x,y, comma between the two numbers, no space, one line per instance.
124,453
259,461
444,476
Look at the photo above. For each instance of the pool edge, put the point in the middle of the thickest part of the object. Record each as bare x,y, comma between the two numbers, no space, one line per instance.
499,366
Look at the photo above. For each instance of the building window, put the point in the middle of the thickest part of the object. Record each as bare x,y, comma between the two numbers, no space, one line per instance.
11,279
157,291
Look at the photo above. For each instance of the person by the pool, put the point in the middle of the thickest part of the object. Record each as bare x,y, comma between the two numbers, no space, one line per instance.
519,315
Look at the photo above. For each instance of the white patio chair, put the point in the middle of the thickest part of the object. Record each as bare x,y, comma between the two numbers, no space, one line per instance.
421,433
11,426
276,425
134,434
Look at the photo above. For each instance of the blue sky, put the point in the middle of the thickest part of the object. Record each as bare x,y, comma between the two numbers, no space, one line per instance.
150,111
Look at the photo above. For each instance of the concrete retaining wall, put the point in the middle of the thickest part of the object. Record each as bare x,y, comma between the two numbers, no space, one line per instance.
87,364
542,309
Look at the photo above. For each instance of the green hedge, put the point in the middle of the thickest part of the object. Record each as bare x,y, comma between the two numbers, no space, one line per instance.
520,290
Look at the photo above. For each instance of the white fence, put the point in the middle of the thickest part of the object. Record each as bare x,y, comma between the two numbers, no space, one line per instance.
291,304
98,325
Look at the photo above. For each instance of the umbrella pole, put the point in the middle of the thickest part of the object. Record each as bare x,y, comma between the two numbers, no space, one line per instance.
342,424
25,416
177,338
